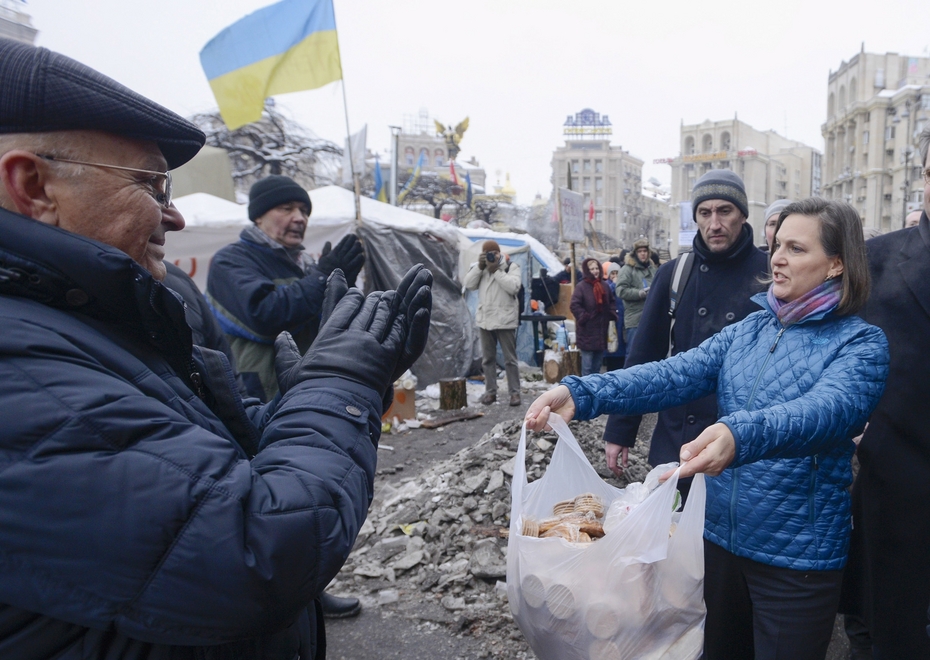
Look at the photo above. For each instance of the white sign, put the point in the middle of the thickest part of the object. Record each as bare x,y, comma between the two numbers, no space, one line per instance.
571,216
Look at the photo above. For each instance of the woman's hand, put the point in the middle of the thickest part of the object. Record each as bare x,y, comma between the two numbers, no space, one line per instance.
558,400
710,453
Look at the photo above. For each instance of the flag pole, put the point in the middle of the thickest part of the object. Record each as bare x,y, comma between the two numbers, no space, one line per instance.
345,108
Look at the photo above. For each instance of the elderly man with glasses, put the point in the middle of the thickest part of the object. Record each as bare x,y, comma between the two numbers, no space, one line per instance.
146,510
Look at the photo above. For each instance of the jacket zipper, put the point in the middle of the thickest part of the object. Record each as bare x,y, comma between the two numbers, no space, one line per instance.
813,484
734,488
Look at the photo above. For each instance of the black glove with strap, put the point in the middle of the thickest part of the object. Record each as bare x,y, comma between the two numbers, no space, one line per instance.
370,341
347,256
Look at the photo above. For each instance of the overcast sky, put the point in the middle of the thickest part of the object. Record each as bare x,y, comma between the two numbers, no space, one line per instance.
517,68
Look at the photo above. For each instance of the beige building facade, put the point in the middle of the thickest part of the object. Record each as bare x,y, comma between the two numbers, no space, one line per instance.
772,167
15,24
876,106
611,178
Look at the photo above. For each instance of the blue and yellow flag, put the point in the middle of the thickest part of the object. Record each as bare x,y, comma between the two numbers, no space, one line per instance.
412,181
380,189
287,47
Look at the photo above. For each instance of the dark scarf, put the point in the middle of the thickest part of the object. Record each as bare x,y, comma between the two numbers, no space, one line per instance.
735,252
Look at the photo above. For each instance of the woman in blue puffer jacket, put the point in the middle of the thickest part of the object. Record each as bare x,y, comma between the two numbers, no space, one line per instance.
795,382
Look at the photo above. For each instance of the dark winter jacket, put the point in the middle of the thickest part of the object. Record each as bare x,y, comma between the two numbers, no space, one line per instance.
257,291
888,577
144,511
793,397
591,319
632,282
717,294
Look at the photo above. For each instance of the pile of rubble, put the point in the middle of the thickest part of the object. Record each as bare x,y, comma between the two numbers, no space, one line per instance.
440,537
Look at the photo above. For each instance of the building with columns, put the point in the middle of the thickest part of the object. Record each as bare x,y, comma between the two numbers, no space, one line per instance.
772,167
609,177
876,106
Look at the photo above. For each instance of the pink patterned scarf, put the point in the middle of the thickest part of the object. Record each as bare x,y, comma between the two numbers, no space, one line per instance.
819,299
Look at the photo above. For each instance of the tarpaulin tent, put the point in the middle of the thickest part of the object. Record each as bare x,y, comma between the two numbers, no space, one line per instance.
395,239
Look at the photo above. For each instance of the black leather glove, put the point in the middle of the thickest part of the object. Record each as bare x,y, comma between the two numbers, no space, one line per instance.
370,340
286,353
482,261
347,255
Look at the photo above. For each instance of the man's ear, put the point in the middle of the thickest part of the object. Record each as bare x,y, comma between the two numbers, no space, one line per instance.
25,177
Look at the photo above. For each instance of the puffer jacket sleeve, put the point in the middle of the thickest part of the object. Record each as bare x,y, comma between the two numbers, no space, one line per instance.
834,410
509,280
238,284
578,306
652,386
118,510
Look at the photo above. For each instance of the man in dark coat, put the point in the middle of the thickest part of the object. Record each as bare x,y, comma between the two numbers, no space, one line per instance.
146,510
725,273
266,283
887,581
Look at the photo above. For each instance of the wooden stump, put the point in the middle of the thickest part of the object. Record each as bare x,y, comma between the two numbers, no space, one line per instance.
452,394
571,363
559,364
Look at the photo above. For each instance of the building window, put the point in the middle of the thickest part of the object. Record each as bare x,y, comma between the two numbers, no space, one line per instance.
599,216
424,156
689,146
725,141
440,157
575,167
587,166
889,133
586,184
598,166
707,143
598,183
599,200
865,137
408,156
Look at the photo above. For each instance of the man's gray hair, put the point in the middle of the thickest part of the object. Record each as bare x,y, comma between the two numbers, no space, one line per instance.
923,144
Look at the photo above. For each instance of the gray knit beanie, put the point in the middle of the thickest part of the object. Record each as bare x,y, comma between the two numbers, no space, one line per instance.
775,208
719,184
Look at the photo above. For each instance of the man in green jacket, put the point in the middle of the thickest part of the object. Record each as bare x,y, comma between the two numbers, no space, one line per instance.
633,286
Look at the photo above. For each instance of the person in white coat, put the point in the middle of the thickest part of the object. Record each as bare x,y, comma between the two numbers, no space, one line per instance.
497,280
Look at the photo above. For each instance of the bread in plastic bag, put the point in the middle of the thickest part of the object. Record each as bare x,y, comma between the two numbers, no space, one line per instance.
636,592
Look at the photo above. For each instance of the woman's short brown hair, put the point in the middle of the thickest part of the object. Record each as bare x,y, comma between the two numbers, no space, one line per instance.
840,235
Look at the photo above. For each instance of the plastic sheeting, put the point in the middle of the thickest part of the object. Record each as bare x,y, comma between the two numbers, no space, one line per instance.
390,252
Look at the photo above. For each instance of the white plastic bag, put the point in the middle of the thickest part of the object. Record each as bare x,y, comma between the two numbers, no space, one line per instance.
635,593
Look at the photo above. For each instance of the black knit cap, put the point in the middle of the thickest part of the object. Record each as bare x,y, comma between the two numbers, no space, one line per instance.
273,191
719,184
43,91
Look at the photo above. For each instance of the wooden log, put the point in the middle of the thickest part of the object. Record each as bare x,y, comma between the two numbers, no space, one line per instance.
552,366
452,394
571,363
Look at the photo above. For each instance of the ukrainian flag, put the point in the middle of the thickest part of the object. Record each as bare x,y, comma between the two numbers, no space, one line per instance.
287,47
380,189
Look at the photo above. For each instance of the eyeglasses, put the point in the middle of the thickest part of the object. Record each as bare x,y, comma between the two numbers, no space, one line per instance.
160,183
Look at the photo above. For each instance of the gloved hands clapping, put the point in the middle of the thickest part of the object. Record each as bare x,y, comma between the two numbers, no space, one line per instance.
371,341
347,255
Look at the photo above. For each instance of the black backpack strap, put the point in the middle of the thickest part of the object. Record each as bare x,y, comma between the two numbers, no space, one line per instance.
675,288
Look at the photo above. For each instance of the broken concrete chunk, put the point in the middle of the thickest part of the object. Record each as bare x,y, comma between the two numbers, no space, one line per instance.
496,481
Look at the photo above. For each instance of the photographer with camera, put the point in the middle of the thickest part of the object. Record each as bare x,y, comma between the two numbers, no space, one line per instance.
498,283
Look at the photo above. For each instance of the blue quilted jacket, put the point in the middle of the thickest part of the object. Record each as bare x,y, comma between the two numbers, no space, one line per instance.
793,397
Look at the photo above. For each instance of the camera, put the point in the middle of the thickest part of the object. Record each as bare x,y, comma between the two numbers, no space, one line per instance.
491,257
